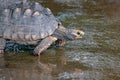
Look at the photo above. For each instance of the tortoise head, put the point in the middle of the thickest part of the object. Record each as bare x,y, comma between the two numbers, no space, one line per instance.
75,34
68,34
64,35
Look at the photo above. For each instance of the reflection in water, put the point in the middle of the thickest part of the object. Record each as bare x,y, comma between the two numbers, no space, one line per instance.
19,70
32,68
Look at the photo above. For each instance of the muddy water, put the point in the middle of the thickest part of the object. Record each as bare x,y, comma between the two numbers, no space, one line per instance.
96,57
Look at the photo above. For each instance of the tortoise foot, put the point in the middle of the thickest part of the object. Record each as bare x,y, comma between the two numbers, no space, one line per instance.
36,52
44,44
60,42
1,51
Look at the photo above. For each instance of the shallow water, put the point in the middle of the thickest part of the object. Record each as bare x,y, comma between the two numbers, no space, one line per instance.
96,57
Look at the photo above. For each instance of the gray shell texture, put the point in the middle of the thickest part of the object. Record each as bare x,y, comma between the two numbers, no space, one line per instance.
6,3
27,21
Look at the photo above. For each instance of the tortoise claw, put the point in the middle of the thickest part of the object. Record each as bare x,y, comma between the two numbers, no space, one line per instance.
36,52
1,51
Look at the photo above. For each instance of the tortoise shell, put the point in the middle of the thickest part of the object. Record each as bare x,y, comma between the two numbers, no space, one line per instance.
26,21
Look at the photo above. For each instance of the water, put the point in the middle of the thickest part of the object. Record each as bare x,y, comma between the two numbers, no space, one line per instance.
96,57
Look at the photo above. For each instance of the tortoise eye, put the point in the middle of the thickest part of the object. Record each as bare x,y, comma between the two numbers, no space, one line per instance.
78,33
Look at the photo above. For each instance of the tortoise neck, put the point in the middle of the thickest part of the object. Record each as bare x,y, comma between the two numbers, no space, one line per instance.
60,32
63,34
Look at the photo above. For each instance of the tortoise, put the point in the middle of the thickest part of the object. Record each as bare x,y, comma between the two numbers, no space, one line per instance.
31,23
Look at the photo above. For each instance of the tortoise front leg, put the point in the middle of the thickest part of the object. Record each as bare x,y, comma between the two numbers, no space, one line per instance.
44,44
2,45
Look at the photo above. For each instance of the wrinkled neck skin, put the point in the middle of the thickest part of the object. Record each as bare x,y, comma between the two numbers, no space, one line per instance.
61,33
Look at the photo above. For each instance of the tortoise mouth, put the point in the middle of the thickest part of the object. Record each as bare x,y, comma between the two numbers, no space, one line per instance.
60,42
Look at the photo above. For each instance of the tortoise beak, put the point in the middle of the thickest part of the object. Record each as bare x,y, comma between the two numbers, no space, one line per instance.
78,34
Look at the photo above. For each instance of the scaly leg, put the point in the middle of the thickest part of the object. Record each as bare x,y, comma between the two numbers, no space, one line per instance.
44,44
